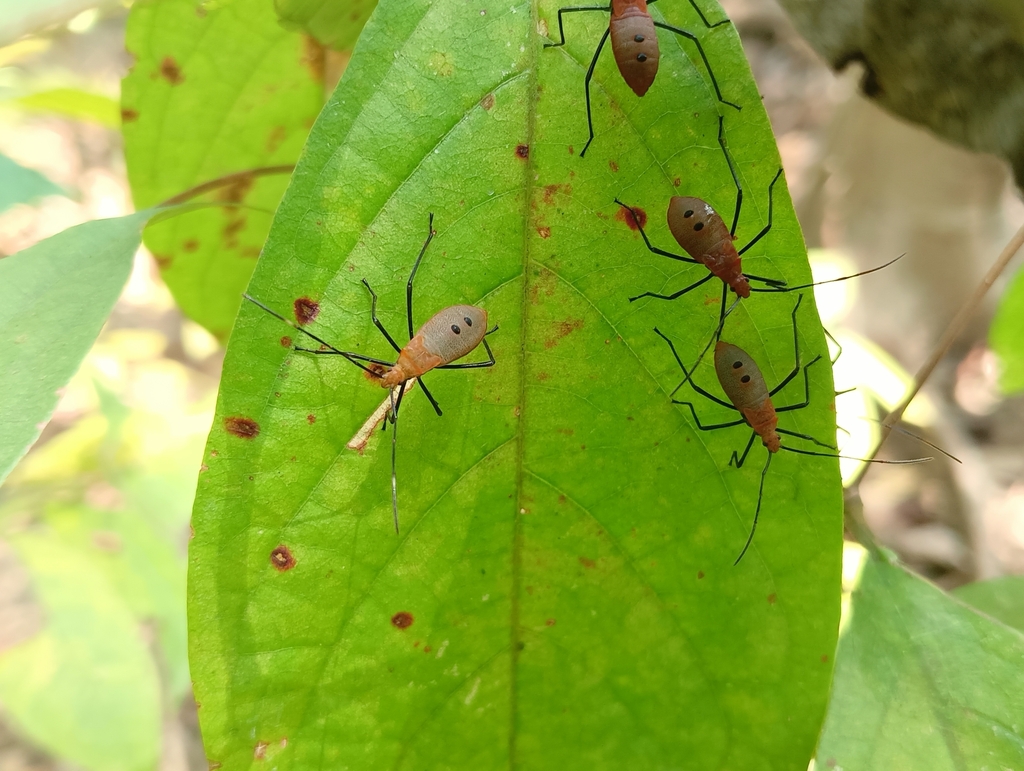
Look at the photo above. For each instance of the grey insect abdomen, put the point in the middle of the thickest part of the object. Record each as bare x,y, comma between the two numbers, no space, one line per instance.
454,331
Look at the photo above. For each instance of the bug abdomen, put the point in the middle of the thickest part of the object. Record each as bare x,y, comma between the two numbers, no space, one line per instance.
635,46
763,419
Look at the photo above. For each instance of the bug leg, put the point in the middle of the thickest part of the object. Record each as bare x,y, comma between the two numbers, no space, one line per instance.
739,460
586,89
376,321
796,351
774,283
831,280
408,286
771,204
687,379
394,447
430,397
700,49
806,400
757,511
680,293
713,427
732,170
703,18
572,9
354,358
826,445
838,353
650,246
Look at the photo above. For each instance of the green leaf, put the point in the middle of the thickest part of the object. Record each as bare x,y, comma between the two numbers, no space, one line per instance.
922,682
1001,598
22,184
567,535
1005,337
73,103
54,298
333,24
214,93
85,688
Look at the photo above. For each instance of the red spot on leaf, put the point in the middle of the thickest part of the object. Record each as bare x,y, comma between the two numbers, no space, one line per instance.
544,231
427,649
286,342
191,245
613,165
587,562
772,598
562,329
243,428
402,620
550,191
627,216
542,376
282,558
128,115
700,574
677,182
550,622
306,310
170,70
523,151
824,658
311,419
487,102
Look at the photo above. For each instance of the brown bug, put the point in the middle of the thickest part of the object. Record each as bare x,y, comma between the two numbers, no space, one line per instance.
635,47
448,335
748,394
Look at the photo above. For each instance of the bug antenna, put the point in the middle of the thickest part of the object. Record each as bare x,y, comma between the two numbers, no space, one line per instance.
832,280
906,462
919,438
296,327
757,511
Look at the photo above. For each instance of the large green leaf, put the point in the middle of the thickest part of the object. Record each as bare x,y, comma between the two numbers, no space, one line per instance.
562,594
54,297
334,24
85,687
1001,598
1005,337
922,682
22,184
214,92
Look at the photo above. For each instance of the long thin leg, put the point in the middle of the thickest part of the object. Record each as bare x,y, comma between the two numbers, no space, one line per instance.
826,445
773,282
807,398
415,267
739,460
700,49
713,427
831,280
352,357
693,385
674,295
732,170
650,246
703,18
771,205
394,446
586,89
430,396
573,9
376,321
837,345
475,364
757,511
796,351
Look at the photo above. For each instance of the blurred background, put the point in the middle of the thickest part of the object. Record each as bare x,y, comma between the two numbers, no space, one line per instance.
101,504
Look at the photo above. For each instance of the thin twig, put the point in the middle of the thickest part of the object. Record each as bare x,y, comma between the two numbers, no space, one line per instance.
229,179
362,436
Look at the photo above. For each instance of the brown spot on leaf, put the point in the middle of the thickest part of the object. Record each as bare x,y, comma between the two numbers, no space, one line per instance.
830,763
163,261
613,165
700,574
243,428
487,102
191,245
550,191
286,342
772,598
587,562
544,231
627,216
550,622
282,558
277,135
824,658
374,371
313,57
542,376
237,190
523,151
170,70
562,329
232,228
260,750
566,431
128,115
213,765
427,649
306,310
311,418
402,620
677,182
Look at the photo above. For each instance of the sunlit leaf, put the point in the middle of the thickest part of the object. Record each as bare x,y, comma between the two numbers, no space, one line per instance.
22,184
1005,336
333,24
214,92
922,682
73,103
562,594
1001,598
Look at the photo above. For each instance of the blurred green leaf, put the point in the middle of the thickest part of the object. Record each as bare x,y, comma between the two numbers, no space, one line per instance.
213,93
1005,336
54,298
1001,598
85,688
565,563
73,103
22,184
922,682
333,24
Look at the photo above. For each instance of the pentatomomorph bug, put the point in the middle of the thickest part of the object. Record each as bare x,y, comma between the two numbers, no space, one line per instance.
448,335
744,385
635,47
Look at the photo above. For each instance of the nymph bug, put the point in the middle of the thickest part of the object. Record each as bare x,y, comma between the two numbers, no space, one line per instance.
635,46
448,335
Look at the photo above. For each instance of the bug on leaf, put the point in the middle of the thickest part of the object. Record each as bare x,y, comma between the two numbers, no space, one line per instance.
748,394
448,335
635,47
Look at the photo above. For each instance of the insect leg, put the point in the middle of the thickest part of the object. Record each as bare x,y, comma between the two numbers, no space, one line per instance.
430,396
766,228
713,427
700,49
703,18
680,293
586,89
838,353
693,385
807,399
354,358
831,280
796,351
415,267
739,460
394,445
826,445
572,9
650,246
757,511
376,321
732,170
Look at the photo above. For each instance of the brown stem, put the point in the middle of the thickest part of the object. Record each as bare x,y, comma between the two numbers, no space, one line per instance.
229,179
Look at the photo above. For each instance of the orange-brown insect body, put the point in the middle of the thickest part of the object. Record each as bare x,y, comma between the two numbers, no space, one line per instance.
450,334
744,384
702,233
634,43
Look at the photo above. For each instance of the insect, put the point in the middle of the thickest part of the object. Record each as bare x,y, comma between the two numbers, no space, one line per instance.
635,47
702,234
448,335
745,387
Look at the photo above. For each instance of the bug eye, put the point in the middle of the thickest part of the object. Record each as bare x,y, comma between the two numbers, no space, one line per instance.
468,320
456,330
688,213
639,38
737,364
699,226
641,57
745,379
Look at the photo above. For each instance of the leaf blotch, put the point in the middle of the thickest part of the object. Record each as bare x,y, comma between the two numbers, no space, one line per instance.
311,418
243,428
587,562
700,574
306,310
613,165
313,57
544,231
128,115
563,329
627,216
550,622
677,182
277,135
550,191
238,189
523,151
191,245
259,752
286,342
487,102
772,598
402,620
170,71
282,558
